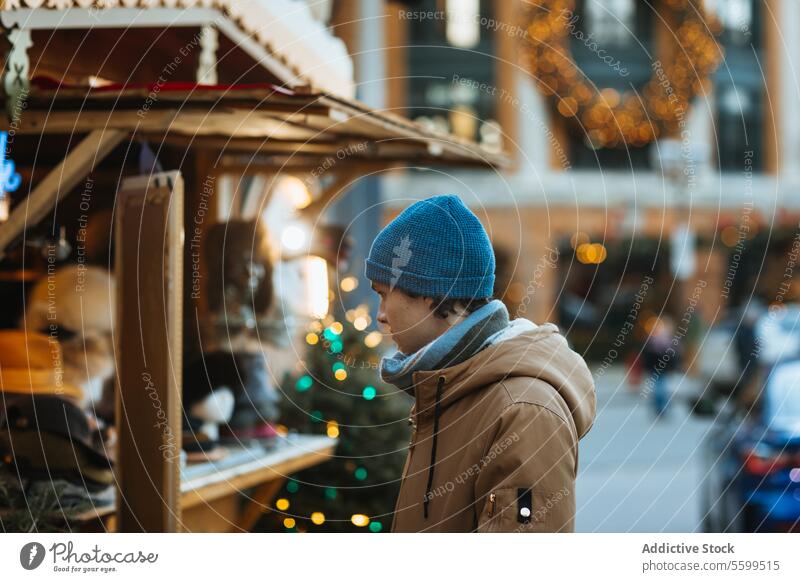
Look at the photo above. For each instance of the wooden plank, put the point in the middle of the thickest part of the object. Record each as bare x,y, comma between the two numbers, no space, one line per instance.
148,338
60,180
259,504
268,164
256,472
191,121
239,123
363,120
69,122
227,145
96,513
218,516
272,99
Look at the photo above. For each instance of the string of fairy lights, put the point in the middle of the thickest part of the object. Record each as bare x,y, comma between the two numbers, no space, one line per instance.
327,334
613,119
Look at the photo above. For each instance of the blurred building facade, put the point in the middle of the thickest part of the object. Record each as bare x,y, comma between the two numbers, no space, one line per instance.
579,228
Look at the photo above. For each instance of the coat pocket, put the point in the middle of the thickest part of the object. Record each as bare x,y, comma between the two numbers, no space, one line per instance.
520,510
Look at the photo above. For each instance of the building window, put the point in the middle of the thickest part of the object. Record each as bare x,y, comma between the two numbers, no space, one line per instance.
739,127
739,86
624,30
451,68
611,22
463,27
737,18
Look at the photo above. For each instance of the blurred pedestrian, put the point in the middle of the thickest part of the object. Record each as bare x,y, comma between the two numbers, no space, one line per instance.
661,356
746,344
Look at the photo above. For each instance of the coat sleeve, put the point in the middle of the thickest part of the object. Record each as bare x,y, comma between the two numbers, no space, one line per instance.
527,476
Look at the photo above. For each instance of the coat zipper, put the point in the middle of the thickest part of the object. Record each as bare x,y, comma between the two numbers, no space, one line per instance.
432,464
492,500
411,444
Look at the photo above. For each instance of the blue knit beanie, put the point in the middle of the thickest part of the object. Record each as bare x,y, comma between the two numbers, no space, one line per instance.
434,248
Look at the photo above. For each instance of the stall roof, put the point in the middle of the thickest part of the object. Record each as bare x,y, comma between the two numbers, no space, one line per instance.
291,128
294,112
282,36
295,124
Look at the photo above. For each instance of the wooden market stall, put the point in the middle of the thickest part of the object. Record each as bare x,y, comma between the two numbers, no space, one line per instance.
270,119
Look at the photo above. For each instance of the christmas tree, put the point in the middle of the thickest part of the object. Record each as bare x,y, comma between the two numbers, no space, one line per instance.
339,393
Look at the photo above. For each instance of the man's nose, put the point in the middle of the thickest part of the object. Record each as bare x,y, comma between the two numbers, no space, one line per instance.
382,317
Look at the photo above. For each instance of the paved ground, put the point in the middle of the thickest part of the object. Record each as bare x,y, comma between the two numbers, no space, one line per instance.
637,474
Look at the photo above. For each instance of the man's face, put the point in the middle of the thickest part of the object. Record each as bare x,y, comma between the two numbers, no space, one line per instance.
409,320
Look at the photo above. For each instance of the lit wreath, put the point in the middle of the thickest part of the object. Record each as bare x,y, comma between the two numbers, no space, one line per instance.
609,118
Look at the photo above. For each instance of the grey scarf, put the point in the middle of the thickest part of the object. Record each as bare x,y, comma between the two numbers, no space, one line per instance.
456,345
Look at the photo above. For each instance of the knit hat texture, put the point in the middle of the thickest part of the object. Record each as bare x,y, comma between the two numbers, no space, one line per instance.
435,248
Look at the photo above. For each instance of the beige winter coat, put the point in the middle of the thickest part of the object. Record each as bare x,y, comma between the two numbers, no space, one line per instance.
495,440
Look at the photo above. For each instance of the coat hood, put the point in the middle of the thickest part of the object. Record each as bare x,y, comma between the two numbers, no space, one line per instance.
523,349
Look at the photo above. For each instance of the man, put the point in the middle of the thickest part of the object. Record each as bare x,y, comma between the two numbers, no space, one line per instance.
499,405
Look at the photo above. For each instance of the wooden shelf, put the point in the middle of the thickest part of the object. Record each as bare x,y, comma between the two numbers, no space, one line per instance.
253,465
215,487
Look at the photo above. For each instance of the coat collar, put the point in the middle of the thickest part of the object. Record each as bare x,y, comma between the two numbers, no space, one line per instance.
523,349
458,381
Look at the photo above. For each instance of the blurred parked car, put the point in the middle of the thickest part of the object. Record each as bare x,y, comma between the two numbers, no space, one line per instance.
778,334
731,345
736,348
752,458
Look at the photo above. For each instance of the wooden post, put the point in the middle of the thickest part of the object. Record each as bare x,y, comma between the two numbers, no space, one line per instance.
149,273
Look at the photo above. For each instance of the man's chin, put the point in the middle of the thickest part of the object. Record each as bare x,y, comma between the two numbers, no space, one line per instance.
398,344
405,349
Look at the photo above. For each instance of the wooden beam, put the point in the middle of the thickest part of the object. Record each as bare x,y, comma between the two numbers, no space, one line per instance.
297,165
60,180
342,181
263,57
259,504
218,120
80,98
36,122
250,145
259,126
